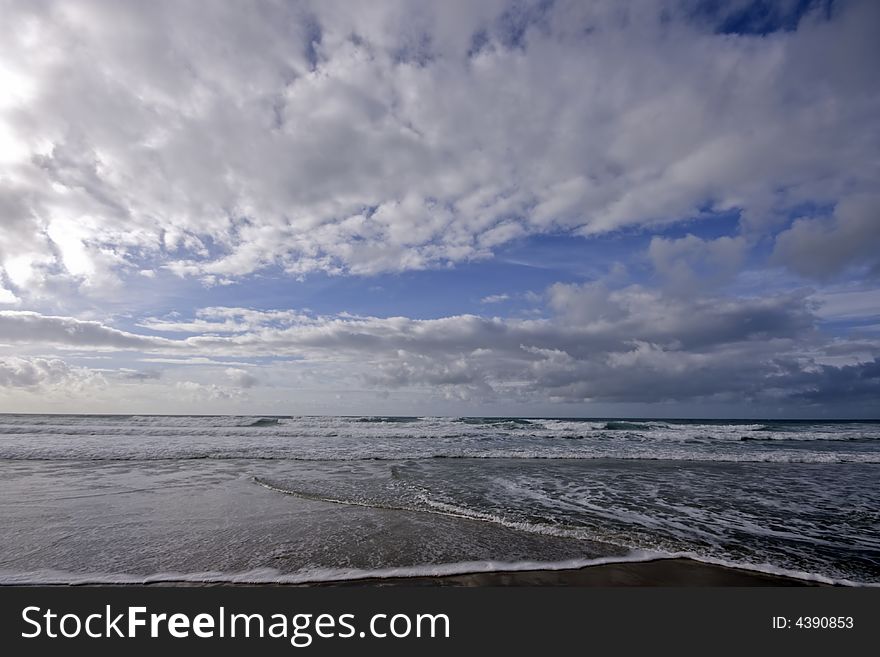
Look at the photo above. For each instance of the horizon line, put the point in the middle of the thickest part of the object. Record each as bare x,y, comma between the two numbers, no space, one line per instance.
479,417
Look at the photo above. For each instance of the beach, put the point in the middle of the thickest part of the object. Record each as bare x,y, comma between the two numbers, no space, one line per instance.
435,501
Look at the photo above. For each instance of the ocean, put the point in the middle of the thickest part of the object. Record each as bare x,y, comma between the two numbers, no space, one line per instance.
106,499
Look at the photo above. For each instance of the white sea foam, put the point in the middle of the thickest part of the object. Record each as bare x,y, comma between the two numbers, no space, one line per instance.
25,437
321,575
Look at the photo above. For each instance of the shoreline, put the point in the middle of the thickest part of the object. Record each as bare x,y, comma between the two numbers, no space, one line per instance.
661,572
664,572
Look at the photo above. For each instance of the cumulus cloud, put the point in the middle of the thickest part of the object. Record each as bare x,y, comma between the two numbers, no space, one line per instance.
143,141
823,246
690,263
198,392
217,141
241,378
35,374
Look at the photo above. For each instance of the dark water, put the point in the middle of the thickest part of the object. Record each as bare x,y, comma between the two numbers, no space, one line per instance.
129,498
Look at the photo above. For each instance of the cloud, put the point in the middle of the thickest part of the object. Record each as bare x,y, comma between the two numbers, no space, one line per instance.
35,374
623,345
848,304
241,378
642,314
33,328
821,247
600,344
218,141
199,392
130,375
691,263
291,140
455,377
858,383
7,297
191,360
232,320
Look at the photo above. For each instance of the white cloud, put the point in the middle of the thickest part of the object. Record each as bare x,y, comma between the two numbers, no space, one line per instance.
198,392
6,296
40,374
226,320
216,140
241,378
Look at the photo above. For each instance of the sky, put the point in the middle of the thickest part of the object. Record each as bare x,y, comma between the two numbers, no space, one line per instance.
570,208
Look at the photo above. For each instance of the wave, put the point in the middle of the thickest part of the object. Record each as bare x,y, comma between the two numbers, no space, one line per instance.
310,576
496,421
812,438
49,577
315,575
264,422
799,427
776,427
502,430
426,505
355,438
422,503
278,488
627,426
824,458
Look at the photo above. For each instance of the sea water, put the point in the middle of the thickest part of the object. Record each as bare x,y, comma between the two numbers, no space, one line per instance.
298,499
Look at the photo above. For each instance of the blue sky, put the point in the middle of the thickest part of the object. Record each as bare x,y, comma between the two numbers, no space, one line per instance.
548,208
